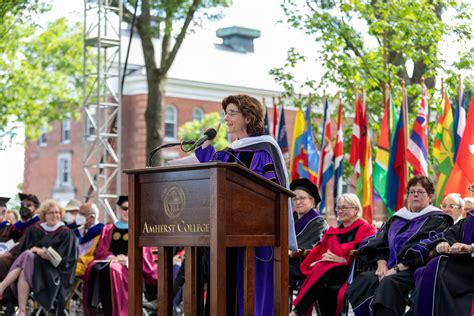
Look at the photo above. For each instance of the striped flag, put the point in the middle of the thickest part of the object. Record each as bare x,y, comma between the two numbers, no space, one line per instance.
282,138
443,149
304,156
327,167
397,171
459,118
417,154
354,158
382,154
275,119
265,120
338,155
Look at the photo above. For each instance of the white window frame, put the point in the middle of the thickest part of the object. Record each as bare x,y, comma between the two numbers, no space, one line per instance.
43,139
173,121
64,158
66,131
198,114
89,129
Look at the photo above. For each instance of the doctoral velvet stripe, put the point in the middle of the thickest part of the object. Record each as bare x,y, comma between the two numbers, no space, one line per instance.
22,225
90,234
307,218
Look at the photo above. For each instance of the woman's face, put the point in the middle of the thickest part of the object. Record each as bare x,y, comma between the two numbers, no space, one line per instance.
236,122
452,208
53,216
302,202
418,198
346,212
124,211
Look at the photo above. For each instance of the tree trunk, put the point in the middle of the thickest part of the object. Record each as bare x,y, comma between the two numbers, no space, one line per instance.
153,117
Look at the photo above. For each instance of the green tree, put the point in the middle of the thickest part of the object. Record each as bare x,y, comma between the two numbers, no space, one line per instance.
168,21
194,129
40,73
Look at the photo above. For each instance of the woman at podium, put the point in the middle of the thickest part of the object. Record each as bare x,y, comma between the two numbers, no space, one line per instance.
244,116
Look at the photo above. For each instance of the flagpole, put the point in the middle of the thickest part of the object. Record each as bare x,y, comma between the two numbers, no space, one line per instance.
459,91
405,123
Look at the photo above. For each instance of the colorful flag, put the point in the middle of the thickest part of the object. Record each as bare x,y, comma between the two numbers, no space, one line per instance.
265,121
327,167
338,155
397,170
417,154
304,156
382,154
443,149
459,119
462,176
282,136
275,119
361,158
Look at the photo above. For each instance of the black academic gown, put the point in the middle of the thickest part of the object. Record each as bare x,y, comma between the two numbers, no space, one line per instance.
51,285
366,292
446,285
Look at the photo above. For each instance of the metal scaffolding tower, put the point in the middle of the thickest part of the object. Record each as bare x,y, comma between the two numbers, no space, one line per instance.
102,103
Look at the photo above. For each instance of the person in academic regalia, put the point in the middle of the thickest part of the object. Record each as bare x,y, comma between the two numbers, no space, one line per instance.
445,286
309,224
88,233
5,225
453,205
244,116
46,264
71,208
107,282
29,205
327,265
385,290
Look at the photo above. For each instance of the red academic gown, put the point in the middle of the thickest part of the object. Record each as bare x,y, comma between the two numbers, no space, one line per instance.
331,242
118,274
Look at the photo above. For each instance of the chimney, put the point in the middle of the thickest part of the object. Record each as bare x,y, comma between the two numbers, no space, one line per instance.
238,38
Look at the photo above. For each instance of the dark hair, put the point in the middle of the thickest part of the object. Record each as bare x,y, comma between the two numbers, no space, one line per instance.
251,109
425,182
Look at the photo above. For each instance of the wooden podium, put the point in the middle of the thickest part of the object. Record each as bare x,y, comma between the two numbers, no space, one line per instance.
216,205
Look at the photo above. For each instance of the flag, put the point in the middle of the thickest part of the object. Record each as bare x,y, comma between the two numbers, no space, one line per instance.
397,169
338,155
417,154
443,149
282,137
462,176
459,119
382,154
275,118
304,156
361,158
327,167
265,121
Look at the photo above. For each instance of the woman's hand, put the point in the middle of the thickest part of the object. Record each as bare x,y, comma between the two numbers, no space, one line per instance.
40,252
122,259
381,269
443,247
329,256
461,248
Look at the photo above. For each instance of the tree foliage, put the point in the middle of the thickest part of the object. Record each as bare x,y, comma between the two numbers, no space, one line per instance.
195,129
169,21
40,72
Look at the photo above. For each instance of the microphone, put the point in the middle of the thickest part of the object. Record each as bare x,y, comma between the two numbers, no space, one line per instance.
209,134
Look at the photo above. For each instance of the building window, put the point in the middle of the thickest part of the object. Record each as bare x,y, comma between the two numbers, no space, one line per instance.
198,114
171,122
43,141
66,131
89,124
64,170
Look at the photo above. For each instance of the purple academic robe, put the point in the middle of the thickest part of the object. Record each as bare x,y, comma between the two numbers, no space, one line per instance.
446,283
260,162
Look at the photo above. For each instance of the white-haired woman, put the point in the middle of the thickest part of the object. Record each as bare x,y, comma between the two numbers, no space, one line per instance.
453,205
327,266
468,205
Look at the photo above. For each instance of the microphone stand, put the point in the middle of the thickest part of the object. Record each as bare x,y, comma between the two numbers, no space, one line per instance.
157,149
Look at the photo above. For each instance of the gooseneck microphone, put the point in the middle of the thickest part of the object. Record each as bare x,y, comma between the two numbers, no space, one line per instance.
209,134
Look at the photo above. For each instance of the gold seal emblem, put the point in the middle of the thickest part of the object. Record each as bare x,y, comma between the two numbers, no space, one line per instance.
174,201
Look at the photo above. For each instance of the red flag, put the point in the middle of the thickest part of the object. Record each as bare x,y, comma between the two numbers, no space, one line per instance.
461,175
356,139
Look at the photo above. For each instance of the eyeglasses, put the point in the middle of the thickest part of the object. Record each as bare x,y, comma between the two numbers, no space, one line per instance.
124,208
299,199
230,112
27,204
419,192
53,213
453,206
344,208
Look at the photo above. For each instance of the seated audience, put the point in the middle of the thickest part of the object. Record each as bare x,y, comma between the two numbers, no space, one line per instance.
453,205
309,224
12,217
88,234
5,225
71,208
106,281
327,266
46,264
385,290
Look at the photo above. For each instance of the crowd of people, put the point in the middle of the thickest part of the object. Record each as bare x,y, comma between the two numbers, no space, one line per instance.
420,262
